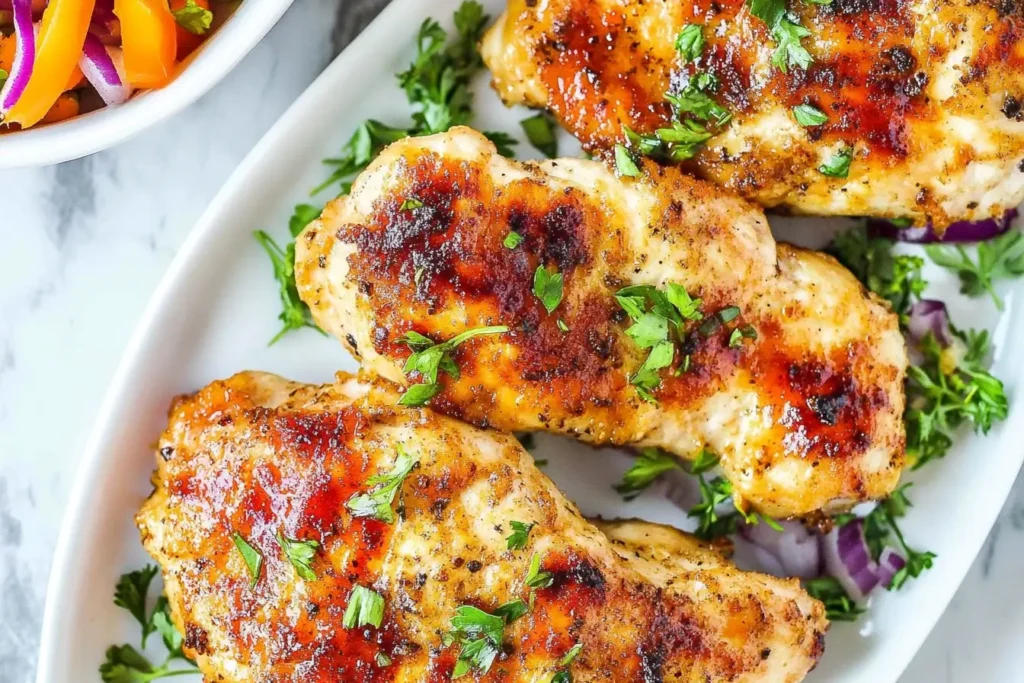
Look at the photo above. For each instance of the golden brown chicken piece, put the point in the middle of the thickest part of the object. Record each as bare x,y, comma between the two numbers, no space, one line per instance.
928,93
794,374
260,462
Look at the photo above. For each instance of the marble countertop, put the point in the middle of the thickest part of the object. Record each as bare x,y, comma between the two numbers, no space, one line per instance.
86,243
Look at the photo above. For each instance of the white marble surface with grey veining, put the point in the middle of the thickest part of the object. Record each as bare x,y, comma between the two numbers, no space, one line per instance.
85,243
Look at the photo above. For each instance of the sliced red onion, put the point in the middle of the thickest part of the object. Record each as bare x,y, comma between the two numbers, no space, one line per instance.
104,69
679,488
889,562
961,231
795,550
24,56
930,315
848,559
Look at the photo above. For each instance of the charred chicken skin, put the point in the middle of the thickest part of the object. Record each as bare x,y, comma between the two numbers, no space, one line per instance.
270,466
786,367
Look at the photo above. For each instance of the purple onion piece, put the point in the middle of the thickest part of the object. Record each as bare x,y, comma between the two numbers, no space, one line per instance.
795,550
961,231
889,562
848,559
930,315
24,56
99,65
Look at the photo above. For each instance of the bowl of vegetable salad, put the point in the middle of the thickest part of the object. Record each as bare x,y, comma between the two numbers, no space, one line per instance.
78,76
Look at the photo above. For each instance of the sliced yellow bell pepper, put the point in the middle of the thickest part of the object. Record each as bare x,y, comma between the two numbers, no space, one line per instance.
149,41
58,49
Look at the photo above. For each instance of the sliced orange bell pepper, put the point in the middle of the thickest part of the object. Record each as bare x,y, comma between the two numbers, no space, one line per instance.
58,48
148,41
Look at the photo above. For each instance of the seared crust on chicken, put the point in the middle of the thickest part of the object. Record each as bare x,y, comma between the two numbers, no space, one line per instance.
259,456
806,417
929,92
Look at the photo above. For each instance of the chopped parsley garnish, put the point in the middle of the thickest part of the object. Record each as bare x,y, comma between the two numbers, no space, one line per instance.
838,166
739,334
896,278
787,32
410,204
503,142
838,605
540,131
808,115
535,578
999,258
690,42
124,663
562,326
624,163
3,77
520,534
376,503
193,18
563,675
650,464
253,558
382,659
365,608
480,635
658,318
547,286
300,554
429,358
436,85
513,610
512,240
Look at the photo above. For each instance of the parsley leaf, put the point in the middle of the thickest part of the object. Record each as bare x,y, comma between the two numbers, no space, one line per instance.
790,53
294,312
130,594
739,334
838,605
376,503
808,115
193,18
365,608
944,391
547,286
650,464
481,635
512,240
839,165
520,533
513,610
540,131
429,358
881,522
999,258
896,278
690,42
3,77
646,379
535,578
503,142
563,675
785,30
253,558
411,203
300,554
624,163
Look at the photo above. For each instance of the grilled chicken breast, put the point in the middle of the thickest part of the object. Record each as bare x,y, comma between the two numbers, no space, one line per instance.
259,458
806,416
928,93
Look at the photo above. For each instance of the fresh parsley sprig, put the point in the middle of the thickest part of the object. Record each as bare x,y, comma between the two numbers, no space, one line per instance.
997,259
480,635
300,554
880,527
787,32
520,534
123,663
838,605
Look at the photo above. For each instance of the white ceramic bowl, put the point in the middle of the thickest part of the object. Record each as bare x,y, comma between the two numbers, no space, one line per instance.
103,128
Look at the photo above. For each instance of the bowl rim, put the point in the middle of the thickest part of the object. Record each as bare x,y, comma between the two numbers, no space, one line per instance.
109,126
